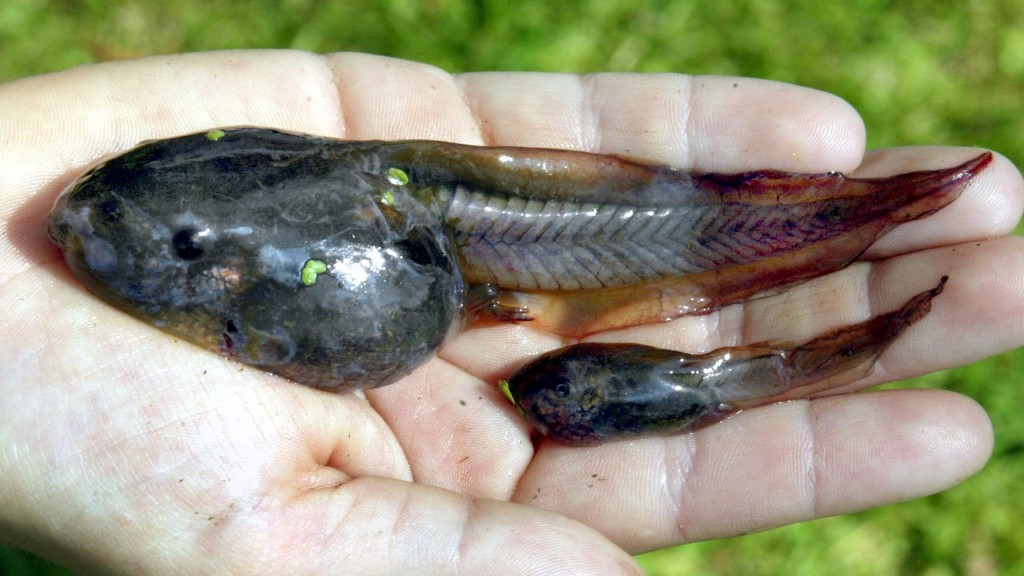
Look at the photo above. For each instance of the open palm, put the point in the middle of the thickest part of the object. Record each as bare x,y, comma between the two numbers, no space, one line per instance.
124,450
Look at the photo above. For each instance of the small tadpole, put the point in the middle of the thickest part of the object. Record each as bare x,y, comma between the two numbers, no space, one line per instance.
214,135
310,270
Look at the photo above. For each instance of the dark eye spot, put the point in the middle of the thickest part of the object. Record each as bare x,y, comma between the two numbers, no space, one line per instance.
562,388
187,245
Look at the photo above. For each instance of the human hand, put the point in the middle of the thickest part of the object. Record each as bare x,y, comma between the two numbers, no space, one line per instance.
124,450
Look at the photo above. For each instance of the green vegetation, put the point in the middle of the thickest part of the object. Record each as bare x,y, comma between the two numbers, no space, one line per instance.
311,270
925,72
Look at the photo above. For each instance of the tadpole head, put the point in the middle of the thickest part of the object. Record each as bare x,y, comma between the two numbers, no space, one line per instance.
559,394
266,248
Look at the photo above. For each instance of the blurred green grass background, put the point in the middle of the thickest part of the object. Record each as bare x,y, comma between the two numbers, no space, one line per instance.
919,71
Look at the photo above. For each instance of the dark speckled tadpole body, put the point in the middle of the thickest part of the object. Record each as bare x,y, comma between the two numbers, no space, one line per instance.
208,237
344,265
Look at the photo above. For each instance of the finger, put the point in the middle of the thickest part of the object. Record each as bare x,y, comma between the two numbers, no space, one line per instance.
493,352
710,123
982,315
699,122
990,206
457,431
766,467
391,99
376,526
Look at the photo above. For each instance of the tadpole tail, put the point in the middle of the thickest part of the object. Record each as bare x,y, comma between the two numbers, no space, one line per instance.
858,211
770,187
848,353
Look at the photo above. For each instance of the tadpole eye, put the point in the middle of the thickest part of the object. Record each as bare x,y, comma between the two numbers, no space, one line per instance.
562,388
187,245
